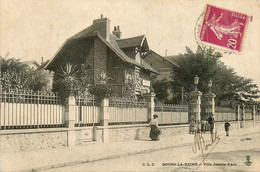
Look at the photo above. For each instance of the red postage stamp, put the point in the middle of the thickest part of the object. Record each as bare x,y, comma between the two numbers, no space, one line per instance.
224,28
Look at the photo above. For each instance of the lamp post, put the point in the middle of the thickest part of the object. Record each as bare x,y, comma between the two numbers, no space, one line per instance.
196,82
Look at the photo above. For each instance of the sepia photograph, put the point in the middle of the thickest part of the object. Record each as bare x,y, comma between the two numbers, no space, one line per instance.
129,85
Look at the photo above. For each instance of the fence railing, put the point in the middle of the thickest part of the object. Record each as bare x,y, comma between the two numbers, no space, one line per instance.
257,116
171,114
38,110
224,113
87,111
224,110
249,116
30,110
125,111
222,116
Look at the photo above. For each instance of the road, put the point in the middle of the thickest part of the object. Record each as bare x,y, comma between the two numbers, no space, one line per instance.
225,154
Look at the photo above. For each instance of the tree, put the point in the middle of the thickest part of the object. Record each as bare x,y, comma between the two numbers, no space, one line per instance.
17,75
38,80
74,79
227,85
161,88
68,81
11,64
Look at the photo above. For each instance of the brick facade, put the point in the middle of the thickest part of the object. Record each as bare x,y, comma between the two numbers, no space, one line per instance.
115,70
100,60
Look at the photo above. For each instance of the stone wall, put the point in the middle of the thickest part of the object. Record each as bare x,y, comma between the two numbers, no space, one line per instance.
141,132
234,125
126,133
39,139
32,141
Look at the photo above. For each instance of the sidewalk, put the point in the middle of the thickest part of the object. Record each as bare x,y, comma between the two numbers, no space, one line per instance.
53,158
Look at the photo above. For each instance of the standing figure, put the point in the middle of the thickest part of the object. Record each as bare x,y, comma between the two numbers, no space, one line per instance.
211,124
227,125
203,125
154,132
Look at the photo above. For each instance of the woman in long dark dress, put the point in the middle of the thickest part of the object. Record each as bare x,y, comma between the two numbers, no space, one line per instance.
154,132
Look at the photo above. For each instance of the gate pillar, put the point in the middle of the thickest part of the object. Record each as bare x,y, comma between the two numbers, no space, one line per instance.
209,106
150,105
70,109
194,111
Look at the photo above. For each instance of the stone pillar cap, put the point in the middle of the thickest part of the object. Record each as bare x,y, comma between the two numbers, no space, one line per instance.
210,95
149,94
196,93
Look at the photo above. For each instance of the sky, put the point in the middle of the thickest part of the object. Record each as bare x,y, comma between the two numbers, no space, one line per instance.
31,29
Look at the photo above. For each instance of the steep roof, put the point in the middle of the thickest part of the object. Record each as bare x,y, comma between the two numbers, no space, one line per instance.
115,47
146,66
84,33
173,58
152,54
131,42
113,44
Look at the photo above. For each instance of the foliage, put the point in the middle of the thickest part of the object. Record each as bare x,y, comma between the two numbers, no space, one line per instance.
38,80
161,89
65,87
130,89
12,80
72,79
227,85
101,90
17,75
67,81
12,64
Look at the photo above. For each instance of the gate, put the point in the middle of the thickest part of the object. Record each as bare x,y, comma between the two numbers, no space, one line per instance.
86,111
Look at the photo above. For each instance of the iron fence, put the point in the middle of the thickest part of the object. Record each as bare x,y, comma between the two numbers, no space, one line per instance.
127,111
87,111
171,114
21,109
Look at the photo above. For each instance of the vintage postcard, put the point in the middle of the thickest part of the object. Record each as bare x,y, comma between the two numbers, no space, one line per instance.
133,85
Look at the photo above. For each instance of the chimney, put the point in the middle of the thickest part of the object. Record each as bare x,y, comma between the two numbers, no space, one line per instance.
102,25
117,32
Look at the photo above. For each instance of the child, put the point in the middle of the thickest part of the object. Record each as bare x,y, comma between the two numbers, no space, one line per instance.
227,125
